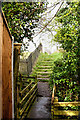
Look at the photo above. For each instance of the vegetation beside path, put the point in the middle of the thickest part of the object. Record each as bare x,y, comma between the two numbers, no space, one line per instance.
44,64
66,71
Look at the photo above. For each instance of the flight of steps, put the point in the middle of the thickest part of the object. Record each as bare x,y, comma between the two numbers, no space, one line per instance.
44,68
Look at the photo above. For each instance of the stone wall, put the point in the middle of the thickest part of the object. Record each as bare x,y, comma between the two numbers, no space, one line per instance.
26,65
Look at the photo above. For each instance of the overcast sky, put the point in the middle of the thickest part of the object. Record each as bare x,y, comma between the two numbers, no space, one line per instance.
45,37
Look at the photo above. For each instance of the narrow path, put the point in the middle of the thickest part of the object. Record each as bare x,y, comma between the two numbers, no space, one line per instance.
43,89
41,108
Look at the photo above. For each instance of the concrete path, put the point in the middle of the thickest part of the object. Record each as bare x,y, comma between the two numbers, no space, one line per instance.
43,89
41,107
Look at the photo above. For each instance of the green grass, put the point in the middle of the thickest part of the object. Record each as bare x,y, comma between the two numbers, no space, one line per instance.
57,55
52,57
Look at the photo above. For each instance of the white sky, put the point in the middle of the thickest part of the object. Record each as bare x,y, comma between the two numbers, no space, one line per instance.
45,38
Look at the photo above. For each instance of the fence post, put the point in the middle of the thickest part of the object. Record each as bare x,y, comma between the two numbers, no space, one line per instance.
19,97
54,99
17,47
1,38
30,86
18,100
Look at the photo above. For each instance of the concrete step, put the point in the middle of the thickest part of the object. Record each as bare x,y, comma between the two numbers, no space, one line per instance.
44,73
46,61
43,79
43,61
43,76
45,64
45,67
44,70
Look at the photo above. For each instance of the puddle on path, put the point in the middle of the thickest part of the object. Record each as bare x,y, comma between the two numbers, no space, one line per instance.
41,108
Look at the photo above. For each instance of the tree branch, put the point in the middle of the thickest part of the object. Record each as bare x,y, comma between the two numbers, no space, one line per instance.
50,20
43,8
51,9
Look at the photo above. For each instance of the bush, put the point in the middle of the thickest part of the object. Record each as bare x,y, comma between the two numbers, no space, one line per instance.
67,87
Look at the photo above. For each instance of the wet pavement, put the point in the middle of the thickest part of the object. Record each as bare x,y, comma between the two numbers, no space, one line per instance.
43,89
40,108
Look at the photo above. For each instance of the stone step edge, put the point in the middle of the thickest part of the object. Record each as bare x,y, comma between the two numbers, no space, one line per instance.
41,66
44,72
43,78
